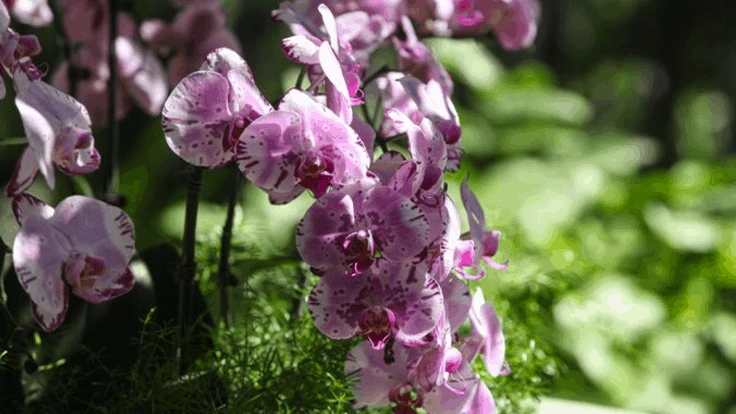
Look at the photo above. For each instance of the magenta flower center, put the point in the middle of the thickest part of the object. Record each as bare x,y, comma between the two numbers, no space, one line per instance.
407,399
314,172
376,323
359,248
81,271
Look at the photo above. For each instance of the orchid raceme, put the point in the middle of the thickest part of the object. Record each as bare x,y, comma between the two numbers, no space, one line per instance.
82,245
206,113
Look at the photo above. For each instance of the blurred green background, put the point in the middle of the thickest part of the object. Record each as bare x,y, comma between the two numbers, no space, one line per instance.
604,154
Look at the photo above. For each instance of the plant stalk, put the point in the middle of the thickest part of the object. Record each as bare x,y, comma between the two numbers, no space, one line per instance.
188,270
225,247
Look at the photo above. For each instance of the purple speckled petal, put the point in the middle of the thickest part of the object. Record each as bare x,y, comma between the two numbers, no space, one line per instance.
399,226
24,173
97,229
39,251
268,149
321,232
337,302
25,205
196,120
375,377
486,324
302,49
457,301
245,99
413,296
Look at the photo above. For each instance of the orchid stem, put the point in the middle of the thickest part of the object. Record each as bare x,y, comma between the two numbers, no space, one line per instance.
300,78
188,271
66,46
113,179
225,247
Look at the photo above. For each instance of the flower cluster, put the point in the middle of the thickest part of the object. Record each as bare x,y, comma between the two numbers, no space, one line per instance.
82,245
383,235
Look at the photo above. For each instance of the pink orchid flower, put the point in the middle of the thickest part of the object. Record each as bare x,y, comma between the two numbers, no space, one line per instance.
392,299
512,21
36,13
483,244
207,112
380,383
302,146
83,244
418,60
487,336
327,57
348,227
198,29
59,133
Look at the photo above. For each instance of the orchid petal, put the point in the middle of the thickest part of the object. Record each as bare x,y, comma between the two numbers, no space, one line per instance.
337,302
399,225
266,151
39,251
330,26
196,119
321,232
338,97
24,173
36,13
457,301
97,229
476,218
25,205
419,308
301,49
375,377
485,321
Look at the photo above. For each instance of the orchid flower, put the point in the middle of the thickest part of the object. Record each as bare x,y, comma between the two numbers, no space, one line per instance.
512,21
484,243
302,145
392,299
208,110
349,227
83,244
418,60
35,13
58,130
198,29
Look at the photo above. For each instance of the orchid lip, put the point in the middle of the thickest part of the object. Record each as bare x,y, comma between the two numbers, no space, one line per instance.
376,324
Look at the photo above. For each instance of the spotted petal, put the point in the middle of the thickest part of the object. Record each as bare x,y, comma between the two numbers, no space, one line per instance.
302,49
321,232
337,302
39,251
245,99
196,119
267,151
399,226
375,377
